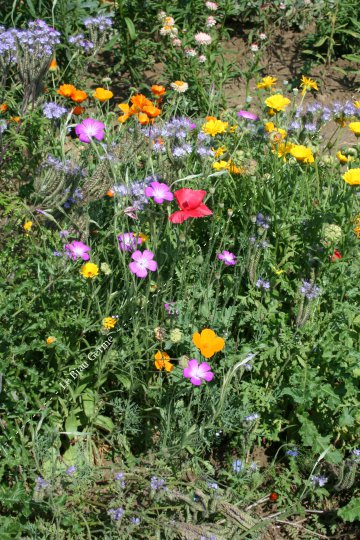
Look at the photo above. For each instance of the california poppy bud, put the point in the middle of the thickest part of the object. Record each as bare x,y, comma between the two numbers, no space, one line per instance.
273,496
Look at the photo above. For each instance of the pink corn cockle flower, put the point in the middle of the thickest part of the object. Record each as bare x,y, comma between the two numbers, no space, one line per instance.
198,372
128,241
159,191
142,262
248,115
227,257
90,128
77,250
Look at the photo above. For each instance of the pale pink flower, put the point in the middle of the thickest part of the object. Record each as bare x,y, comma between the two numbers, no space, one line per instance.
254,47
190,53
212,6
142,262
262,36
176,42
202,58
210,22
202,38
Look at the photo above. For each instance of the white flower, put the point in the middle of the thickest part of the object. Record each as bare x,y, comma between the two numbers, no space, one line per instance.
176,42
179,86
169,21
210,22
262,36
190,53
161,15
169,31
202,58
203,39
254,47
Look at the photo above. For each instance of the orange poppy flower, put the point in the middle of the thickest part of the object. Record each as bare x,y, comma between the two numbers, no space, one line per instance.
124,107
162,361
78,110
66,90
79,96
110,193
15,119
140,101
3,108
208,342
53,65
143,118
102,94
151,111
158,90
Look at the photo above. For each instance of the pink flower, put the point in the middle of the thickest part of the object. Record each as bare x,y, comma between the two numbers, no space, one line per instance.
202,38
142,263
254,47
210,21
197,373
90,128
191,205
130,211
128,241
228,258
77,250
248,115
159,191
211,5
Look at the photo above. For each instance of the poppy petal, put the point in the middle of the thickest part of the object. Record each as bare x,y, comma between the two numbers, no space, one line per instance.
189,198
179,217
197,340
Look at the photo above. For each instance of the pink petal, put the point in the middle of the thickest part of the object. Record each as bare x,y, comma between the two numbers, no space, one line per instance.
208,376
148,254
152,265
137,255
196,381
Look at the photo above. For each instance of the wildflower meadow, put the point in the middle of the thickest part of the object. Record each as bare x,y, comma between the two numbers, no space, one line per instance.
179,270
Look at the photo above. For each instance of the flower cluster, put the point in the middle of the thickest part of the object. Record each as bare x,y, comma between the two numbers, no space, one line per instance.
142,108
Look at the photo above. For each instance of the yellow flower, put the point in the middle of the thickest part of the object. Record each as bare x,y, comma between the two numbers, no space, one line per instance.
355,128
89,270
102,94
269,127
277,135
27,226
302,153
214,127
352,177
175,335
277,102
232,129
162,360
357,231
53,65
144,237
267,82
109,323
308,84
357,104
50,340
220,165
342,158
208,342
282,149
219,152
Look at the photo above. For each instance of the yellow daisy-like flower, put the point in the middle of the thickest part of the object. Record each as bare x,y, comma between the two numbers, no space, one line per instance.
302,153
219,152
277,102
267,82
355,128
144,237
357,231
50,340
352,177
342,158
232,129
109,323
308,84
220,165
214,127
162,361
357,104
27,226
89,270
269,127
277,271
282,149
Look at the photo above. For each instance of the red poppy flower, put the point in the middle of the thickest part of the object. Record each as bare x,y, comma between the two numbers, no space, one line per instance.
336,255
273,496
191,205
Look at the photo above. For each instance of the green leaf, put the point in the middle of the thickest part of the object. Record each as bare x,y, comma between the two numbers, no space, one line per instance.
131,28
351,511
104,422
88,402
320,42
71,423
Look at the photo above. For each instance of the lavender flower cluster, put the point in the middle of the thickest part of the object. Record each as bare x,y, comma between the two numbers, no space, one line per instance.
53,111
311,118
96,27
38,40
81,42
135,191
178,132
309,290
100,22
66,166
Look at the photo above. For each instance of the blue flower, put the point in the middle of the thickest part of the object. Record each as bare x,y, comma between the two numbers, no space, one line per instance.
237,466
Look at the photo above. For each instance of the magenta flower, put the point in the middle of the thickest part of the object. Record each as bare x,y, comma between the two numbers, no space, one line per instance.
90,128
248,115
128,241
228,258
142,263
77,250
159,191
197,373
